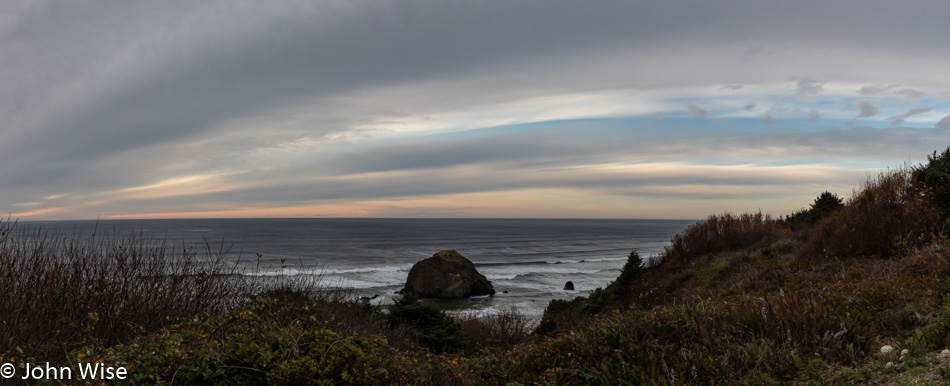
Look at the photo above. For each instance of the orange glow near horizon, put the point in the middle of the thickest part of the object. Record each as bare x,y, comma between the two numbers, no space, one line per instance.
529,203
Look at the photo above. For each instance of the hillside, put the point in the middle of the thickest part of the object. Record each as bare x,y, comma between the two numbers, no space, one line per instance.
813,297
853,290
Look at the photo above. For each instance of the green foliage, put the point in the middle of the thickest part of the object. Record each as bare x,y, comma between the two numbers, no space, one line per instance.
436,330
267,342
548,324
936,175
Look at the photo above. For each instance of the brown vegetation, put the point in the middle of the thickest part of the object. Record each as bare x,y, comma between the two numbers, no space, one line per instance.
61,290
889,216
719,233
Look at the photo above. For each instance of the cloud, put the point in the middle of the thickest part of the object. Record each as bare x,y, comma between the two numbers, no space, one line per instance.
732,87
866,108
767,119
891,88
750,106
698,112
911,93
808,87
898,119
814,116
879,89
943,123
656,118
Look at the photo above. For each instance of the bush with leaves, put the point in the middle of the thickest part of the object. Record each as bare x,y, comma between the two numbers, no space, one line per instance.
268,341
437,331
719,233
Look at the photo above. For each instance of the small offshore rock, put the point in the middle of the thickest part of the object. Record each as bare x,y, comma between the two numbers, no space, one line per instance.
569,286
504,292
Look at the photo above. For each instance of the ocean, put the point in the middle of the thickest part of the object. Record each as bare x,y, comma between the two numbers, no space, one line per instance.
531,259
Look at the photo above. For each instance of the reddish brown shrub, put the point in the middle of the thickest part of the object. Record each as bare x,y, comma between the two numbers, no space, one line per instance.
889,215
505,329
722,233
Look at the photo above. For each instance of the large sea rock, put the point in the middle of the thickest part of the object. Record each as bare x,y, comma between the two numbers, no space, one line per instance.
446,275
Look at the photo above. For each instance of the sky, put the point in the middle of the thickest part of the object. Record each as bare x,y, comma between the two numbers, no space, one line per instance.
444,108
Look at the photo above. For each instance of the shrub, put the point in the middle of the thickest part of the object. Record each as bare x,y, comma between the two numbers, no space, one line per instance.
891,214
267,341
436,330
62,291
722,233
936,175
505,329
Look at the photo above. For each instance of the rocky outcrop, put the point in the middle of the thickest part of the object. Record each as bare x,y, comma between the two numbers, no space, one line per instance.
446,275
569,286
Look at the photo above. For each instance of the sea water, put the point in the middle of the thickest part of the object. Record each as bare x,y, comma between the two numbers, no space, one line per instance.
528,261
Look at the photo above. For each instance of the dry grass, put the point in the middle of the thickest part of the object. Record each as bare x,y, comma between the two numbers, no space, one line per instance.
61,289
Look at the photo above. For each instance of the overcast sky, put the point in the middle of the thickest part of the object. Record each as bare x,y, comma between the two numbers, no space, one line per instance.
526,108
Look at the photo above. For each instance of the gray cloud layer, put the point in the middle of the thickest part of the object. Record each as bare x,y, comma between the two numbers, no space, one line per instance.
104,95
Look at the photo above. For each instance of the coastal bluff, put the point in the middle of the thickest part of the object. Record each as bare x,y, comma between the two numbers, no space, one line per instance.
446,275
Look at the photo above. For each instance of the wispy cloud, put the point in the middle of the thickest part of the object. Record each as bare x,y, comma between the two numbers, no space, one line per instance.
698,112
898,119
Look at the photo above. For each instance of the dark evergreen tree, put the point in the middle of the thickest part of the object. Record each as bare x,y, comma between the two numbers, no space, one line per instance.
631,269
824,204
